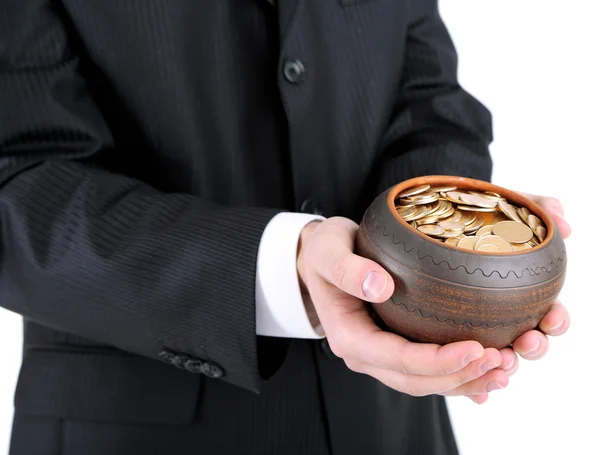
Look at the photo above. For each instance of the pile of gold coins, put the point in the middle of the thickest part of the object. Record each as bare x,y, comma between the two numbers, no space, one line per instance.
471,220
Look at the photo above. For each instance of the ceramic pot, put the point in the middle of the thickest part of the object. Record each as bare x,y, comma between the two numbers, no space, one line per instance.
445,294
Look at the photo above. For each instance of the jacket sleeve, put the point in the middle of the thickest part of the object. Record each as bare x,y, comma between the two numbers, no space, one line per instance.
437,127
98,254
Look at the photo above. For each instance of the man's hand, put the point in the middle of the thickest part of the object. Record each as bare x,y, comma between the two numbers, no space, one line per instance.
533,345
339,281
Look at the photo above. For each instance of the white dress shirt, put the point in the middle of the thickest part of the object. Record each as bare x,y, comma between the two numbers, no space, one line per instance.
280,310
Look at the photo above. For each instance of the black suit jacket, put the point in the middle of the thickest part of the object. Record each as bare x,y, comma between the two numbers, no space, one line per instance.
144,146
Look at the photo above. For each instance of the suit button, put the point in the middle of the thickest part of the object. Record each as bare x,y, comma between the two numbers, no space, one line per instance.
194,366
211,370
180,360
167,356
310,206
326,348
293,71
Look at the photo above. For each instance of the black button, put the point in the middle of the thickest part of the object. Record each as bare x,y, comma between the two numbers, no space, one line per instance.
326,348
180,360
211,370
310,206
167,356
194,366
293,71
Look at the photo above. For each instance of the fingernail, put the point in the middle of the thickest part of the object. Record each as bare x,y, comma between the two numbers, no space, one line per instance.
510,365
474,399
554,328
535,348
373,285
487,367
562,217
494,385
470,357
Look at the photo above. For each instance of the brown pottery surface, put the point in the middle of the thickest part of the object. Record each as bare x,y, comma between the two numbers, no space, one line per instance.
445,294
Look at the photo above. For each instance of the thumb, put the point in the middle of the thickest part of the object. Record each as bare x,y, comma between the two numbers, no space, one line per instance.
332,258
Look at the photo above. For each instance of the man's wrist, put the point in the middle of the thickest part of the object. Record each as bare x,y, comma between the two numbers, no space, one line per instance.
301,268
300,262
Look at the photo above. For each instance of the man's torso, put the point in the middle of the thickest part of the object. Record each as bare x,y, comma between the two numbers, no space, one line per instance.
242,103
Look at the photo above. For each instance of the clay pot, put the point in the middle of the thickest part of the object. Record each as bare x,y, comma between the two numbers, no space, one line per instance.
445,294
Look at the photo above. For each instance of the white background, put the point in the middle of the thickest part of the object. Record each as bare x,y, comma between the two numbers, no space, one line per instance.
535,64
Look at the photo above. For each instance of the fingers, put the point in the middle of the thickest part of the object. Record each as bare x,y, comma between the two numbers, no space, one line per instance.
494,380
480,376
531,345
563,226
331,256
510,361
557,321
359,338
534,344
510,364
479,399
556,211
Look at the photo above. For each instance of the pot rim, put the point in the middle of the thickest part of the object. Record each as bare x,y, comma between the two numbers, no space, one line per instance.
466,183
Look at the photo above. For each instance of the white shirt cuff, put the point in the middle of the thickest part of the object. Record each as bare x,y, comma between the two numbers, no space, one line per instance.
280,310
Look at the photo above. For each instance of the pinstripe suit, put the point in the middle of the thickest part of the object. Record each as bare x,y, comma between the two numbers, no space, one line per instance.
144,146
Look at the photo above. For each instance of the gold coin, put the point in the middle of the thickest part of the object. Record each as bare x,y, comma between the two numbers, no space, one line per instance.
498,242
442,189
450,234
476,224
494,217
489,195
423,194
474,208
420,213
474,199
452,226
431,229
418,200
509,210
524,214
468,243
454,196
429,219
541,233
429,210
406,211
468,217
414,190
404,202
447,214
456,216
534,222
453,241
434,207
489,249
485,230
446,209
512,232
521,246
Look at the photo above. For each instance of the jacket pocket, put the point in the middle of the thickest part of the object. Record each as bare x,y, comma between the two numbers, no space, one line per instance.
99,386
